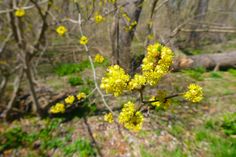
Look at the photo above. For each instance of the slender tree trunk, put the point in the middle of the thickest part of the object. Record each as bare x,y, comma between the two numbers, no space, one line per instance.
14,95
150,22
27,70
125,37
3,85
202,8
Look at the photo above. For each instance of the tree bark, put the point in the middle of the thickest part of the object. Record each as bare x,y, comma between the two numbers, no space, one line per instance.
208,61
10,104
201,10
133,10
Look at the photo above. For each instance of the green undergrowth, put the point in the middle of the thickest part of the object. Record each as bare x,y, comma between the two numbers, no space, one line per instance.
232,72
45,139
196,73
75,80
217,145
64,69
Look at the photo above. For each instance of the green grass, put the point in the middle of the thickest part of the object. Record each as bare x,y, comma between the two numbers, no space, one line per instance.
75,80
229,124
12,138
195,73
145,153
64,69
215,74
218,146
177,130
82,147
232,72
48,139
16,137
175,153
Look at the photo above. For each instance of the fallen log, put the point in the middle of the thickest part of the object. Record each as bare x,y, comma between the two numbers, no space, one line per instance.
209,61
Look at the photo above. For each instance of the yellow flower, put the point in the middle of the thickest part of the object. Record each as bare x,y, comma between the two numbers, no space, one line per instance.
98,18
162,102
61,30
81,95
157,103
83,40
108,118
115,81
20,12
99,58
194,93
156,63
70,99
137,82
130,118
58,108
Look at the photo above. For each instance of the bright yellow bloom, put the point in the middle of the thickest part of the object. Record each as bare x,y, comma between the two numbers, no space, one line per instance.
162,101
137,82
81,95
70,99
99,58
58,108
61,30
130,118
194,93
98,18
20,12
156,63
157,103
115,81
108,118
83,40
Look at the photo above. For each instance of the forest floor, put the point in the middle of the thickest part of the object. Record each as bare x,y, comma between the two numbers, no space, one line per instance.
203,130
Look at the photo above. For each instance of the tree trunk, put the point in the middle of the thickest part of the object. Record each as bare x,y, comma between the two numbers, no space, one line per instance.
201,10
150,22
208,61
36,105
16,86
133,11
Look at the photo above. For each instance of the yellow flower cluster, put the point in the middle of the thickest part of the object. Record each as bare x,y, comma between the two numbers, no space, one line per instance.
58,108
99,58
137,82
70,99
162,102
98,18
81,96
61,30
83,40
130,118
194,93
108,118
115,81
156,63
20,12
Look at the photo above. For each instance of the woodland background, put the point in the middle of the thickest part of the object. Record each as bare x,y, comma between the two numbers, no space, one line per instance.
39,68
